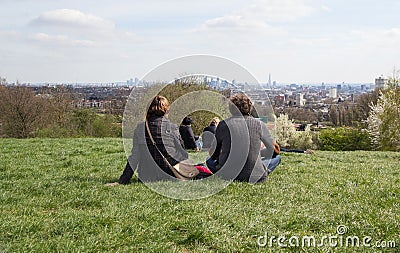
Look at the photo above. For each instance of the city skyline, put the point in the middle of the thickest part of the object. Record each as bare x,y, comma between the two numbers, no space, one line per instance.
103,41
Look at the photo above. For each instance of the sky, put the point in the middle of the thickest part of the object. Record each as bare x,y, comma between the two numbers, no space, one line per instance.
297,41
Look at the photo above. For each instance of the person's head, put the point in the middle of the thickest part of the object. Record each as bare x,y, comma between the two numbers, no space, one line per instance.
187,121
158,107
215,121
240,103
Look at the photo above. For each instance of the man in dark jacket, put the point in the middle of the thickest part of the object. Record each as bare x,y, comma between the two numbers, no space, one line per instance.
188,137
238,140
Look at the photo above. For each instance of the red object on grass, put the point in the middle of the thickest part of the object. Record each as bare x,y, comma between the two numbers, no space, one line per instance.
203,169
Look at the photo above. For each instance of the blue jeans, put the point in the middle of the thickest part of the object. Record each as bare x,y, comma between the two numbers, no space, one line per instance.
212,165
270,164
199,144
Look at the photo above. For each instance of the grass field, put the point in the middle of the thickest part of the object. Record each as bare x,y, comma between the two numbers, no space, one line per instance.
53,199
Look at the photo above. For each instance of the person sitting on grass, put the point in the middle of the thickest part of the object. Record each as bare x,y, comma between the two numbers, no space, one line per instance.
281,149
230,135
307,151
209,133
145,157
190,141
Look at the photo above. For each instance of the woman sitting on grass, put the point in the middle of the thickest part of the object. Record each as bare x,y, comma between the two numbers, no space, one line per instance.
145,157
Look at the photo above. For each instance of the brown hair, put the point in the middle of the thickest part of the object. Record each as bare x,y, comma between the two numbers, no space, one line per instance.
158,107
242,103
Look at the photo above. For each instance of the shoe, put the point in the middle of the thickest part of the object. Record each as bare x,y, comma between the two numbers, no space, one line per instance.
309,152
112,184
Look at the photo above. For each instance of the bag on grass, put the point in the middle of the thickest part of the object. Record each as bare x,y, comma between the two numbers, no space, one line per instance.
183,170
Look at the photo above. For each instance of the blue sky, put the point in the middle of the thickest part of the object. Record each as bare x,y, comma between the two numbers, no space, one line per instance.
301,41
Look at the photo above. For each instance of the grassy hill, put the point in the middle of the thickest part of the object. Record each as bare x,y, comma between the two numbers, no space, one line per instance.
53,199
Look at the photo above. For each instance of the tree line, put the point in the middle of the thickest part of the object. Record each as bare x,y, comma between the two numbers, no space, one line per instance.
25,114
52,113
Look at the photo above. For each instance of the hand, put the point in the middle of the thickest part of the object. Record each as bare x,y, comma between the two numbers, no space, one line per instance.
277,148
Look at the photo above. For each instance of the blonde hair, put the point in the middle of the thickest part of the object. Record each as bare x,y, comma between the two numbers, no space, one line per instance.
215,120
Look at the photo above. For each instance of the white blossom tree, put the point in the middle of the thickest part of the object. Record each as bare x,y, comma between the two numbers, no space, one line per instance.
287,136
384,118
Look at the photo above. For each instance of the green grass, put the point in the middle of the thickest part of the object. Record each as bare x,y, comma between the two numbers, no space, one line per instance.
53,199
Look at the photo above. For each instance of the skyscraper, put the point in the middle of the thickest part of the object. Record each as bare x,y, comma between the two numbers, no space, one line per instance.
269,80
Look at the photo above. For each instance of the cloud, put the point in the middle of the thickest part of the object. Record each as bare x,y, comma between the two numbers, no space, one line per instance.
278,10
310,42
380,39
222,22
69,27
61,40
74,19
260,17
9,34
393,33
234,24
326,8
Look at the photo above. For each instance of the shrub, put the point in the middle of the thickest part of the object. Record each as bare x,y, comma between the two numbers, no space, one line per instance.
303,139
105,126
53,132
344,139
384,120
84,123
287,136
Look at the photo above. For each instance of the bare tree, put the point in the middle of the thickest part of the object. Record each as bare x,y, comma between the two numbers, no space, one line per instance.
21,111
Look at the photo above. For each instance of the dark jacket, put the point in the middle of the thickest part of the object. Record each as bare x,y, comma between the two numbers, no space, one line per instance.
237,151
189,140
146,158
208,135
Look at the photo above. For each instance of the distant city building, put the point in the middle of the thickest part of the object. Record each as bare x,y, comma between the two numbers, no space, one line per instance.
269,80
300,101
279,100
133,82
381,82
333,93
323,93
3,81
